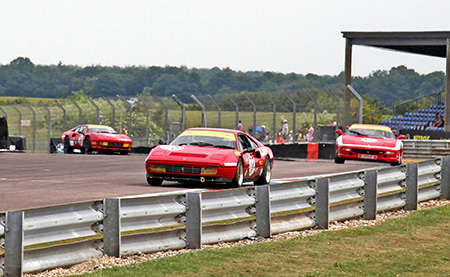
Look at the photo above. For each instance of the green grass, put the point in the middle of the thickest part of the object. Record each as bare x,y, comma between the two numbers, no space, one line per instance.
418,245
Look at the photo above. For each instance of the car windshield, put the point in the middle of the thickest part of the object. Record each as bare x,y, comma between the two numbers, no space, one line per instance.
203,138
370,133
107,130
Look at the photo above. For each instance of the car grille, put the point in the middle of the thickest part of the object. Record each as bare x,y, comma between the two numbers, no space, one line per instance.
183,169
368,151
115,144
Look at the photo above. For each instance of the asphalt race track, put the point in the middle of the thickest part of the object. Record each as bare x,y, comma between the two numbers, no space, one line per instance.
42,180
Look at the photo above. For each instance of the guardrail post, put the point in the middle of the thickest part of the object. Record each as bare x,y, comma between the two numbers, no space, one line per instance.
263,218
14,243
193,220
370,194
111,227
322,203
445,178
412,187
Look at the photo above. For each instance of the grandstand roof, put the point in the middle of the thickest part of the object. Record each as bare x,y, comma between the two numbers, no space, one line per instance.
431,43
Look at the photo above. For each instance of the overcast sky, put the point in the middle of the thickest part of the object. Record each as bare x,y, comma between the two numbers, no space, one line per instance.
300,36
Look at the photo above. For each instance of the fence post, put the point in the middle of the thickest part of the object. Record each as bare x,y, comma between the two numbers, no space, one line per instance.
237,110
218,108
20,119
315,113
113,122
274,132
147,127
166,119
294,112
254,111
183,110
204,124
370,194
80,111
64,114
48,125
14,243
3,111
445,178
112,227
96,108
263,217
322,203
34,126
193,220
412,187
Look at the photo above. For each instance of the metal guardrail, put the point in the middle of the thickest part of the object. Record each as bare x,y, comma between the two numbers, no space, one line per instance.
425,149
39,239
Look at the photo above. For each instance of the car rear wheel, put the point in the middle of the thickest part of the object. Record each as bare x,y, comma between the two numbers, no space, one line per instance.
266,174
87,145
67,148
154,182
339,160
238,179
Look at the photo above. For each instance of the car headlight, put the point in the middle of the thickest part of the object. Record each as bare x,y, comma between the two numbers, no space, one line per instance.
104,143
126,145
156,168
390,152
346,149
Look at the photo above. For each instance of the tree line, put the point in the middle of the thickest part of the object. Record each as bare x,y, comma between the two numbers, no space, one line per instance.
21,77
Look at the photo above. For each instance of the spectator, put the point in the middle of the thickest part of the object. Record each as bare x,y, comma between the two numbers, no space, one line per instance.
290,136
280,138
284,129
263,137
124,131
240,126
333,122
251,129
438,121
310,132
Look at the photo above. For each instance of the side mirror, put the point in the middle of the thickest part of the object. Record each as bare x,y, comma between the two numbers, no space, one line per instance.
339,131
401,137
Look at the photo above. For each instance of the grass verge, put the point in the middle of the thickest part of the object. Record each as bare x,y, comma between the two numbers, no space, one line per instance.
417,245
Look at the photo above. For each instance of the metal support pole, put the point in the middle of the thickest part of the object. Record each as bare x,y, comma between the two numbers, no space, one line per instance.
274,116
147,128
254,111
370,194
64,114
361,103
131,104
97,108
445,178
113,122
3,111
20,119
112,227
166,123
237,110
347,80
322,203
203,110
294,112
183,111
194,220
315,113
218,109
412,186
447,88
14,243
337,105
120,116
263,218
34,127
48,125
79,109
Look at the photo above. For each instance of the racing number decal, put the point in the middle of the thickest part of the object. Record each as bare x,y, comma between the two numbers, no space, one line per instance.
80,140
251,165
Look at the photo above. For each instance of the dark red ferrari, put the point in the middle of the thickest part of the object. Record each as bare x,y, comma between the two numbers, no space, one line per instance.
210,155
93,137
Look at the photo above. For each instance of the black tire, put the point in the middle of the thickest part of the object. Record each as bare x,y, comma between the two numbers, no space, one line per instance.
266,175
238,179
339,160
154,182
67,148
87,145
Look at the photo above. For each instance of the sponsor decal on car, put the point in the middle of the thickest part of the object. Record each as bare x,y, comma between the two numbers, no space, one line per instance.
172,147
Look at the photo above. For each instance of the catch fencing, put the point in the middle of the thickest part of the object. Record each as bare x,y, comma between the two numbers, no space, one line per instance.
39,239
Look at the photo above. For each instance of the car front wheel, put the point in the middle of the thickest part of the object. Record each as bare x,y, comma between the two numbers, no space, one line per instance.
266,174
154,182
87,145
67,148
238,179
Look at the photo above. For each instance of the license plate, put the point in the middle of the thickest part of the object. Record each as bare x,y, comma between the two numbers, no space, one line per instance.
367,157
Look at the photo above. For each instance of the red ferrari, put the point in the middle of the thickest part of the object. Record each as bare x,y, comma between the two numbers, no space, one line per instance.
93,137
369,142
211,155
